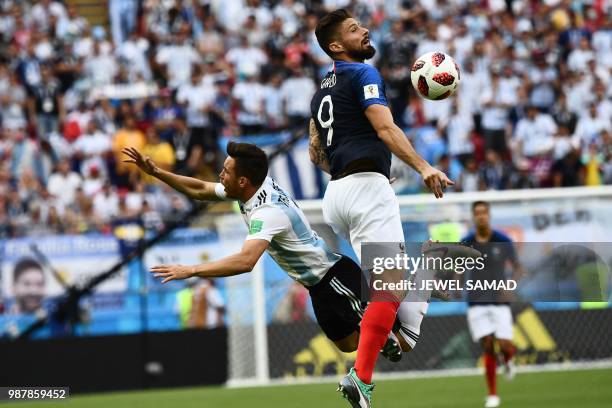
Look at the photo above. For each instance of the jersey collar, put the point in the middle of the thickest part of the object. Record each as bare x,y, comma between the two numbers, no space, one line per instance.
248,205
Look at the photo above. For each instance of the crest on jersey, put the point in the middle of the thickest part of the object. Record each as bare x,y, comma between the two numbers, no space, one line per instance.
370,91
255,226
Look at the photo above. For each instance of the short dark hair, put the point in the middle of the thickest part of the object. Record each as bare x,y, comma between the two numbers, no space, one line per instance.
23,265
480,202
327,28
251,161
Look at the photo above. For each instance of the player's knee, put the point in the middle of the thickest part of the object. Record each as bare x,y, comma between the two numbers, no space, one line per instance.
347,347
407,341
348,344
487,344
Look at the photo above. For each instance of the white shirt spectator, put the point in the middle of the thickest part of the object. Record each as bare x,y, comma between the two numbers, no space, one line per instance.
252,96
578,96
73,28
470,90
41,15
578,59
493,117
434,110
430,45
297,93
274,106
93,144
562,145
134,52
536,136
101,69
106,205
463,48
588,129
64,186
197,98
92,185
178,59
508,89
290,12
228,12
246,60
602,44
458,130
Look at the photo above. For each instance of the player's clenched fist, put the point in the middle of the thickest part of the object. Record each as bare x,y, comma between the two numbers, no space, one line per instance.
436,181
135,157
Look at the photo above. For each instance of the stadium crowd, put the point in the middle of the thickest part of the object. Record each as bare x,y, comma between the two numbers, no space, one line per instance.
172,77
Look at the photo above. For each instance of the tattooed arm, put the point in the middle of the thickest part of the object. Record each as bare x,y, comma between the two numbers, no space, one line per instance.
316,150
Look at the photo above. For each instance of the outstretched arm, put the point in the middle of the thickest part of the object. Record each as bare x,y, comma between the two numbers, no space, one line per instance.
315,148
191,187
382,121
231,265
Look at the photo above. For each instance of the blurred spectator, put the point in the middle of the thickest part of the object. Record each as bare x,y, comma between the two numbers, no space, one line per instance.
593,160
250,95
246,59
458,131
590,125
63,183
495,172
293,306
469,179
177,58
495,114
197,98
201,305
106,203
46,104
568,171
296,92
165,114
123,18
127,136
534,133
160,152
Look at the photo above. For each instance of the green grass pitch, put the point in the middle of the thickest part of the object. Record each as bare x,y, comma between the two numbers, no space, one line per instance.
564,389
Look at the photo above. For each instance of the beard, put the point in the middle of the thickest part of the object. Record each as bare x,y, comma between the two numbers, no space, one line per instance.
362,54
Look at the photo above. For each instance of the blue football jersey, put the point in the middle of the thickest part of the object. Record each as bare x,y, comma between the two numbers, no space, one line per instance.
338,109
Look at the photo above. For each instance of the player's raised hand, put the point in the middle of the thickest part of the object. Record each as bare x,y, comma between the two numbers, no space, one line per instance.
135,157
436,181
172,272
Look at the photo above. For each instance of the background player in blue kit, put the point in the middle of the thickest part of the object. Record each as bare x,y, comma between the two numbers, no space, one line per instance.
489,315
352,136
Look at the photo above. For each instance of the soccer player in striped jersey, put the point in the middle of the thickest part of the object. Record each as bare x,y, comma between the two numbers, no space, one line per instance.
276,224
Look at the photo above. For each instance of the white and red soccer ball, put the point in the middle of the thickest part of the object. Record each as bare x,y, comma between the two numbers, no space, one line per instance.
435,75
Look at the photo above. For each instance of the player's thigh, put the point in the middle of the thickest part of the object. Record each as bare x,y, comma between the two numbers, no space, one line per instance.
334,209
480,322
502,315
338,301
374,215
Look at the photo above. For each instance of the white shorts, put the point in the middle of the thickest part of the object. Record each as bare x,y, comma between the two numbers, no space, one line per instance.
485,320
363,207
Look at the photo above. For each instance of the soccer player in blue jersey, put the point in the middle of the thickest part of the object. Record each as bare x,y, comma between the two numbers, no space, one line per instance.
489,315
352,137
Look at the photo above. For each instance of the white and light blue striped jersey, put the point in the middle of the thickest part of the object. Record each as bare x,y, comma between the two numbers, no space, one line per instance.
271,214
